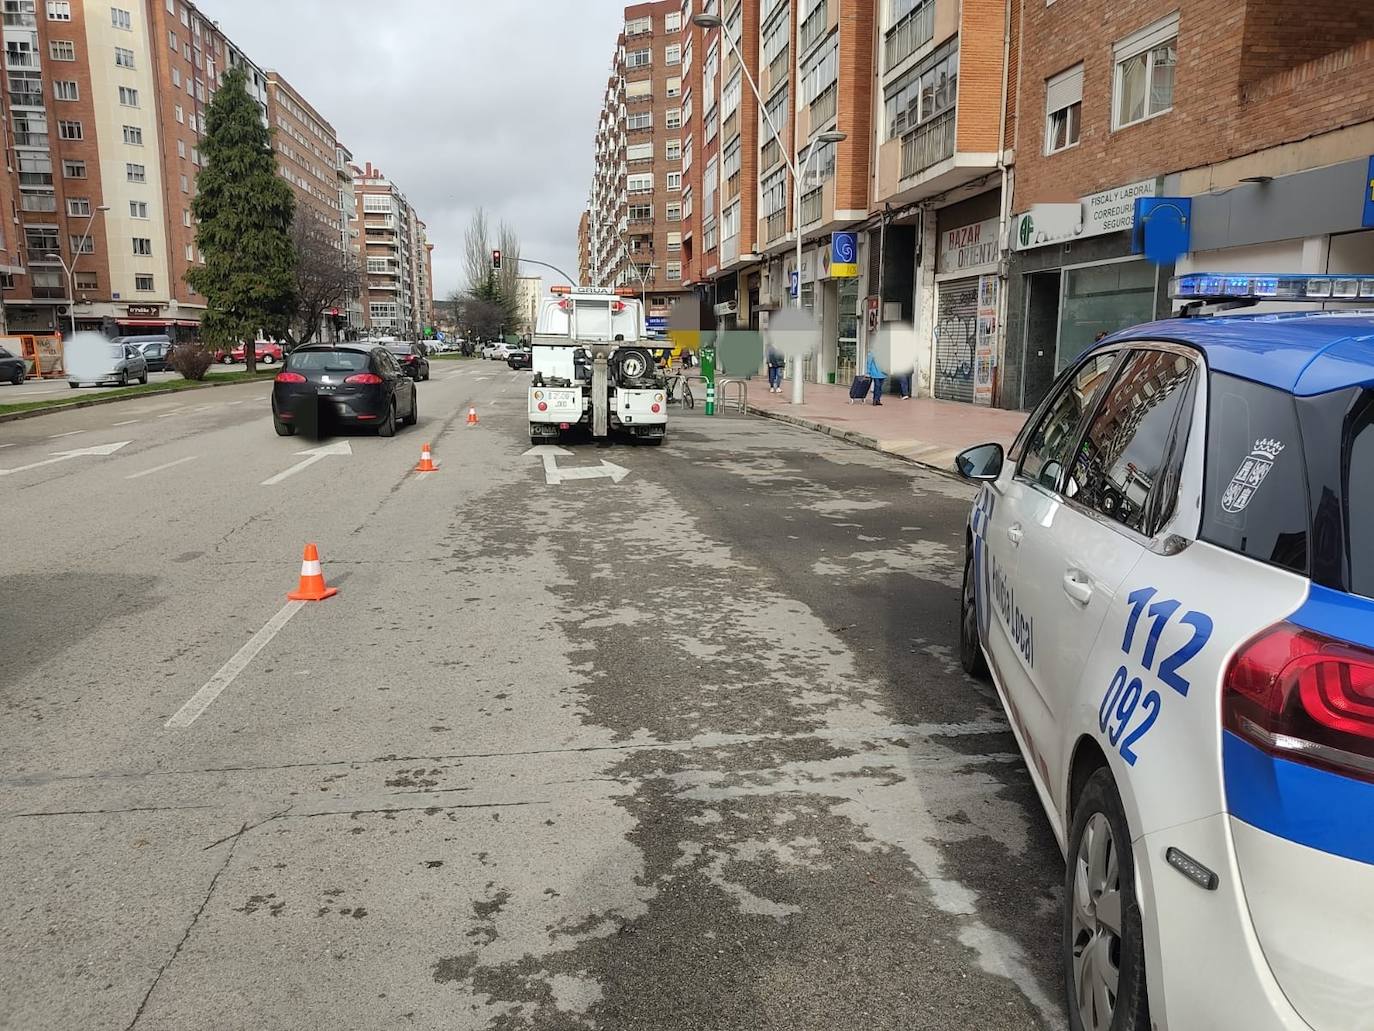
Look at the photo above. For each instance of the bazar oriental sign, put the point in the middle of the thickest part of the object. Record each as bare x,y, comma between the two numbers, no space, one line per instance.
968,247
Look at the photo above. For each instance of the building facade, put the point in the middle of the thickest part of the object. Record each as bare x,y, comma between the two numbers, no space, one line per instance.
528,291
389,254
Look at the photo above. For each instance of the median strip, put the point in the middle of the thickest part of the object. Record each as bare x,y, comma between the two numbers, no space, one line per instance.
29,409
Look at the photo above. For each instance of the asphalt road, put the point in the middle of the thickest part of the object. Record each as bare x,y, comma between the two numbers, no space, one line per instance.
690,750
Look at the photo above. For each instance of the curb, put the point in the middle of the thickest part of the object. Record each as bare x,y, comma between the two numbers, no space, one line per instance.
851,437
92,402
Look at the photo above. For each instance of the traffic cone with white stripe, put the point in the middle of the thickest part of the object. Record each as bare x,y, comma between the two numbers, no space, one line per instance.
472,416
426,462
312,586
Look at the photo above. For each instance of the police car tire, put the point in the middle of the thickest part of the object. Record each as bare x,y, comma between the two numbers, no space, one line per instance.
1132,1011
971,656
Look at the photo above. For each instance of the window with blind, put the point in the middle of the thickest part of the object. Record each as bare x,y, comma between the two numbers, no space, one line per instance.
1063,109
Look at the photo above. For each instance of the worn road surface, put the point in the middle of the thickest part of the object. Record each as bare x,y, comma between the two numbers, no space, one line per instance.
690,750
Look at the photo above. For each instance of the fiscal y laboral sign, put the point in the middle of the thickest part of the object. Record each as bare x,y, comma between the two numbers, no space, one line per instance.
1110,211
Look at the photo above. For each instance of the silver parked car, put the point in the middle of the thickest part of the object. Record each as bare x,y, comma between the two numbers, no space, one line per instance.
126,364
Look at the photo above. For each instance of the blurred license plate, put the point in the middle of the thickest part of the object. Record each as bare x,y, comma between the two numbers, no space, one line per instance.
562,399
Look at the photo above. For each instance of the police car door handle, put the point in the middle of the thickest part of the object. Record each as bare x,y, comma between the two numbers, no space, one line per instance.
1078,587
1014,533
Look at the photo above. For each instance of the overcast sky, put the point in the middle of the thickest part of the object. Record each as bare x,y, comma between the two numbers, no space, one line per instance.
463,103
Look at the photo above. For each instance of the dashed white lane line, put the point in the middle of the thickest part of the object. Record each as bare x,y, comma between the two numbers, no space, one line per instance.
69,433
7,445
159,468
228,673
174,411
126,422
232,403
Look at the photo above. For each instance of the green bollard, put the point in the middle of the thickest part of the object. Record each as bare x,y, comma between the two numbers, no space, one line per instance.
708,375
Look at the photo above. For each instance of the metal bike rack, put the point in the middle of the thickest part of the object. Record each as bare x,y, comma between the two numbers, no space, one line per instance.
741,402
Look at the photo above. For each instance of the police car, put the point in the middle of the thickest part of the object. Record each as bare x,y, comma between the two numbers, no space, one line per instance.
1169,576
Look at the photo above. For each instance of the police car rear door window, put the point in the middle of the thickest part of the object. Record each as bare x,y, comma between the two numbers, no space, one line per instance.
1359,498
1255,501
1052,442
1124,454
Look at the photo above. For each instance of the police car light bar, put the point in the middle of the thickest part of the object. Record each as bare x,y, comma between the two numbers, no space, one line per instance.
1215,286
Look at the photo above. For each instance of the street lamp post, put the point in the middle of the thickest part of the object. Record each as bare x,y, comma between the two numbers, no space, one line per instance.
70,270
714,21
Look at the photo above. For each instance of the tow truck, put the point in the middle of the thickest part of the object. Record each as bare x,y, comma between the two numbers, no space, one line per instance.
591,370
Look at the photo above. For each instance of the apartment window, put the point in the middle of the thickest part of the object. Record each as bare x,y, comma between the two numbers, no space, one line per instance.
59,10
730,159
38,202
40,239
639,120
181,148
674,213
928,90
687,154
640,90
673,118
65,89
195,156
639,152
128,96
180,115
1063,109
186,50
639,58
133,135
136,173
1144,77
674,271
172,40
674,89
70,131
729,221
138,209
639,26
672,54
78,206
143,283
672,22
640,212
124,58
822,69
773,192
673,150
82,244
191,121
190,252
687,201
674,242
378,266
186,217
673,180
176,77
120,19
86,281
143,246
74,169
640,183
185,16
730,95
712,124
62,50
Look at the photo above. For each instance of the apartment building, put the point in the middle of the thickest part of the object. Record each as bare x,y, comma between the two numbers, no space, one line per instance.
350,235
106,109
635,213
1256,117
422,278
584,248
391,246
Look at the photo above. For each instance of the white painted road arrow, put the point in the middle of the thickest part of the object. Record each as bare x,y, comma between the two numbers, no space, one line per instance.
553,475
62,456
315,454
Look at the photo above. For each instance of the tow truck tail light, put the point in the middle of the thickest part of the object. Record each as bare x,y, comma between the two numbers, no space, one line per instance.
364,379
1303,696
290,377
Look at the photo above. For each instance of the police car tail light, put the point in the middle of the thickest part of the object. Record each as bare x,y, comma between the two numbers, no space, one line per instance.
1304,696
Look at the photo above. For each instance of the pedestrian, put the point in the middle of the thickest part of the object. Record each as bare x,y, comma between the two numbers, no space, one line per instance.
775,365
904,385
875,372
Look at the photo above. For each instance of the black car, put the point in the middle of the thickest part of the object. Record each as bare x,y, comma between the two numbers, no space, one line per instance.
352,384
413,359
12,367
520,357
156,350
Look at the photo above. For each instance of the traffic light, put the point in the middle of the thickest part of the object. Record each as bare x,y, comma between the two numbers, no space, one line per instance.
496,261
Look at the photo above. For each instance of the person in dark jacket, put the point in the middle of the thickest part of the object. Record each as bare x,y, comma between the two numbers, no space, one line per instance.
775,366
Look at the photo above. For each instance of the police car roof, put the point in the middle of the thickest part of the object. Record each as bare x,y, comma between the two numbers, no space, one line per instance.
1304,353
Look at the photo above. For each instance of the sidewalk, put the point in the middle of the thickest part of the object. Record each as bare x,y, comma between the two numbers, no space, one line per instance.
921,430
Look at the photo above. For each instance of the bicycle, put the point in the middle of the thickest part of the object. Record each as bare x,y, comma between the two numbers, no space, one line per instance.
680,392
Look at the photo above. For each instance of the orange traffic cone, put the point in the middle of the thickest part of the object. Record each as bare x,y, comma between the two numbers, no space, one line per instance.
312,586
472,416
426,462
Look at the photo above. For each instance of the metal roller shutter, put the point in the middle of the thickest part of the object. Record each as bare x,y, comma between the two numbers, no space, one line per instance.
956,339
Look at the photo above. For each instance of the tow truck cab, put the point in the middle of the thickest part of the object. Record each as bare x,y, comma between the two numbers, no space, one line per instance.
589,368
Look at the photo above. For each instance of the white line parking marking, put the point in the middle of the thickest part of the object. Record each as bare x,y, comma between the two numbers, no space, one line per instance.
228,673
159,468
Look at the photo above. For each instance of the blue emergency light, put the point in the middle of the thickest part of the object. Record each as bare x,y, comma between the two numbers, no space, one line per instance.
1253,287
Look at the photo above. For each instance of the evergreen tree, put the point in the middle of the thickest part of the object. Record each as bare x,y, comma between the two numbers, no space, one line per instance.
245,210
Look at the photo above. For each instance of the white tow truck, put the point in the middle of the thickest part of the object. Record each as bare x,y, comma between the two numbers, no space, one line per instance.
591,369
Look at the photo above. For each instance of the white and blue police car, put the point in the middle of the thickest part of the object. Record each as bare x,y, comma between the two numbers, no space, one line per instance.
1170,577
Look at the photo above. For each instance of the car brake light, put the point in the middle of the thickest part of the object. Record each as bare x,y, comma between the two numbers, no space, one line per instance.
290,377
543,406
654,408
364,378
1304,696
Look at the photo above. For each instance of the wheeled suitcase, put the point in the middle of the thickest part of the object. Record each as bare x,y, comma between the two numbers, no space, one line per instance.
858,390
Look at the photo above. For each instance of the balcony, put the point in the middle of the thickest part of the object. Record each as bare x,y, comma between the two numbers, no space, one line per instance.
21,59
815,26
928,144
30,139
916,29
774,227
782,64
823,107
811,206
26,98
769,155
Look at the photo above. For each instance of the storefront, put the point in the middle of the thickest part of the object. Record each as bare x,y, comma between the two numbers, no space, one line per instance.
1073,277
966,301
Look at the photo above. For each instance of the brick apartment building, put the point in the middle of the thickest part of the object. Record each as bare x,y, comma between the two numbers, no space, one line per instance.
584,248
394,301
635,212
103,119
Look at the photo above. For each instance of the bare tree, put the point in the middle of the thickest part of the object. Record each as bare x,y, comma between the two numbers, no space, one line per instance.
477,251
509,278
327,277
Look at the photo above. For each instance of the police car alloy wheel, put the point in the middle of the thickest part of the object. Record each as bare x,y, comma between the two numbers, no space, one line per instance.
970,649
1103,944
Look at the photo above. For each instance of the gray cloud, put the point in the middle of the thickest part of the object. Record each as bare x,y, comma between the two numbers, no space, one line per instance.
464,103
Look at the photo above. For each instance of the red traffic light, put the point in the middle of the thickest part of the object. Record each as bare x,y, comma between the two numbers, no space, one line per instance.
496,259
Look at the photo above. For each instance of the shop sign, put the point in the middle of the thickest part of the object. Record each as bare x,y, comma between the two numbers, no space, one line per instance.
873,314
968,247
1368,221
1110,211
986,340
144,311
844,255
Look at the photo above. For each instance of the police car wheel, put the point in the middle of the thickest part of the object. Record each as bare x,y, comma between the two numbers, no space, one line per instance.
1103,947
970,650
